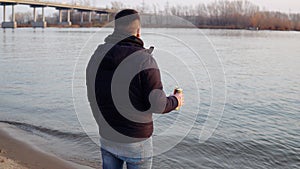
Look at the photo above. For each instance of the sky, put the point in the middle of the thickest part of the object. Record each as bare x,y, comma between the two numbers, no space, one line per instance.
278,5
288,6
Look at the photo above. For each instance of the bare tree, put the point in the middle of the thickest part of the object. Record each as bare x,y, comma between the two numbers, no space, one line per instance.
117,5
221,14
23,17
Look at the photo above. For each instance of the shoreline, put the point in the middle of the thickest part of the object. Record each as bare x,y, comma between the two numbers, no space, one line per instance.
168,26
20,155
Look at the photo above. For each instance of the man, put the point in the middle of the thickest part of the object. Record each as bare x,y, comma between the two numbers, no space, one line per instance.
124,90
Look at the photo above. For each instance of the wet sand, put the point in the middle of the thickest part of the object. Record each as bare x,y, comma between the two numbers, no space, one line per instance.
15,154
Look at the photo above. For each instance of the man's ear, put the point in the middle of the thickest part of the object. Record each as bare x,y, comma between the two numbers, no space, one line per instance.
138,33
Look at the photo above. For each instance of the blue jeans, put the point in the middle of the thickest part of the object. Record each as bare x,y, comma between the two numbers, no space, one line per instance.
136,155
112,161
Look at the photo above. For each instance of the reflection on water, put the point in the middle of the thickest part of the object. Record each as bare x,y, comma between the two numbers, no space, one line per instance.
259,127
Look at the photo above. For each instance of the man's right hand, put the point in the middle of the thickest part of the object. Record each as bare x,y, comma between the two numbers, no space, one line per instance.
180,99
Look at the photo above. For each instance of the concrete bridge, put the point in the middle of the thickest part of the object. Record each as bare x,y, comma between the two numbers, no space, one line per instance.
42,4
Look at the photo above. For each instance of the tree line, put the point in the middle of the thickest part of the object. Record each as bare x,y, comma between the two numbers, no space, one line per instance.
238,14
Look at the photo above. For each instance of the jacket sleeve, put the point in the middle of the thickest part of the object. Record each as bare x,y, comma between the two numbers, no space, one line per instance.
151,80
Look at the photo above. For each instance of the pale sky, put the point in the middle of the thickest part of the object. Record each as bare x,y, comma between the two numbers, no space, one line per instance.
287,6
278,5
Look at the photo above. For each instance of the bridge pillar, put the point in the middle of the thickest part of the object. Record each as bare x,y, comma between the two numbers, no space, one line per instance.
90,17
81,15
86,23
100,17
12,23
38,24
107,17
103,17
13,15
64,23
43,14
69,16
34,14
4,13
60,16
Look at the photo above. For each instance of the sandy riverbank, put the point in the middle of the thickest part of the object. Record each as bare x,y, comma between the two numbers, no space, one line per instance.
7,163
15,154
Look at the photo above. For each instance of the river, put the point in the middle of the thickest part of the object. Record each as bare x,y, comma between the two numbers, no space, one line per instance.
241,92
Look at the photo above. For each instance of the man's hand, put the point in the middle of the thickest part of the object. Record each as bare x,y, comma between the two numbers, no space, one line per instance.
180,99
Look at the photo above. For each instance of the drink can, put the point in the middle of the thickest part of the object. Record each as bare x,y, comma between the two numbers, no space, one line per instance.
178,90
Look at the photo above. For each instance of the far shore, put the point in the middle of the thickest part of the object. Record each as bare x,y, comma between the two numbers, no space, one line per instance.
98,25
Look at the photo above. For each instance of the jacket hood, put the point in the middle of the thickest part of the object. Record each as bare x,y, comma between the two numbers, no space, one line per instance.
121,38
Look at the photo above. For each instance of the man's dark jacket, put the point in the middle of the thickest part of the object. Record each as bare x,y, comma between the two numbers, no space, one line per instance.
117,47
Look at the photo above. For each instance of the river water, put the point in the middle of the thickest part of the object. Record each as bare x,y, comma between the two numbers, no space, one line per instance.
241,88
